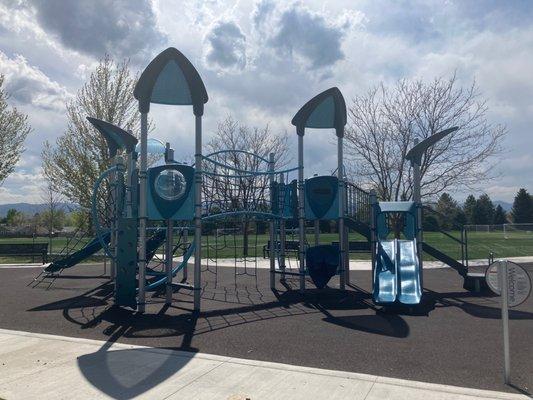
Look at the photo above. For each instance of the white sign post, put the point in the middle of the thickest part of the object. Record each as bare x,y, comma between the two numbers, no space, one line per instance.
512,283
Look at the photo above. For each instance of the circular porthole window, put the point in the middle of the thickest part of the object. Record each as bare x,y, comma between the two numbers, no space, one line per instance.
170,184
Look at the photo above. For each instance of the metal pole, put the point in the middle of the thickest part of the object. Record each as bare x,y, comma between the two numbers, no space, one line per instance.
373,223
113,239
317,232
168,260
301,210
342,244
282,236
142,213
118,194
417,198
198,213
505,319
272,226
185,242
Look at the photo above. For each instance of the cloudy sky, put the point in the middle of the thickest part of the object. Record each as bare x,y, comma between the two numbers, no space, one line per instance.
261,60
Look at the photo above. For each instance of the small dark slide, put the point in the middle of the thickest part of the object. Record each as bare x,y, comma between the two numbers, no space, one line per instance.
322,263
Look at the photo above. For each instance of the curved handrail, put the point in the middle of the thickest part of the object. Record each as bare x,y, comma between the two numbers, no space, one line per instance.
94,212
236,151
249,173
186,256
244,212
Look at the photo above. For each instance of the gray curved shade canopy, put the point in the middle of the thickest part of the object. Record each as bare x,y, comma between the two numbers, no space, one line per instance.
171,79
415,154
325,110
116,138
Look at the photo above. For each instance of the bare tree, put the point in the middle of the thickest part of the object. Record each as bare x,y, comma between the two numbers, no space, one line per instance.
54,213
80,155
14,128
240,188
384,123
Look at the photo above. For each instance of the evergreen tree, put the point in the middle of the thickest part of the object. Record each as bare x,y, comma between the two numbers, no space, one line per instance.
460,218
500,217
484,211
469,208
522,211
447,209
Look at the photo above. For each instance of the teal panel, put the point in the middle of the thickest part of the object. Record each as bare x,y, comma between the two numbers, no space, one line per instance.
171,87
170,192
321,198
323,116
126,282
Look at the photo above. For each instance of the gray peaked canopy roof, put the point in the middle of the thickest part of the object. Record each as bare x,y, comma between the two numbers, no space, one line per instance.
171,79
116,138
325,110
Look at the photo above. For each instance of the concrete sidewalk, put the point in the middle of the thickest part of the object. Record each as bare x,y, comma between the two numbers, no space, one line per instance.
55,367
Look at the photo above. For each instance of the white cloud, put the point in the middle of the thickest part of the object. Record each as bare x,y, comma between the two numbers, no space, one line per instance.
261,61
28,85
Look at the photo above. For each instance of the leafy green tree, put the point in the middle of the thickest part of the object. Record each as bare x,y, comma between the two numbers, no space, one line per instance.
53,220
14,128
80,155
500,217
14,217
469,208
80,220
484,211
522,211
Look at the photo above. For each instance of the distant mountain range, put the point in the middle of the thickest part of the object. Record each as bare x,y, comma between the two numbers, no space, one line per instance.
31,209
506,206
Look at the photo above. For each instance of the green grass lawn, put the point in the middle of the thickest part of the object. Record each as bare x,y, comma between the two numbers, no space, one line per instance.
479,244
228,246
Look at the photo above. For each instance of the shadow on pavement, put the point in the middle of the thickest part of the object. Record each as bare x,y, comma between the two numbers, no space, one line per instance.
125,374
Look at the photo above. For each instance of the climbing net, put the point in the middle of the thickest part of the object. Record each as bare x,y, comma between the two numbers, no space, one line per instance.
241,196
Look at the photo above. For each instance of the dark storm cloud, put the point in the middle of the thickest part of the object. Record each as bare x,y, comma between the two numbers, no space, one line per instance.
226,46
299,32
117,27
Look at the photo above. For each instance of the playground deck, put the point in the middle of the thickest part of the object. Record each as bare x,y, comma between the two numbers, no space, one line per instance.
455,339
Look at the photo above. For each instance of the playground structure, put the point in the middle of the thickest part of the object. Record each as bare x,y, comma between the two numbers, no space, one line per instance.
179,199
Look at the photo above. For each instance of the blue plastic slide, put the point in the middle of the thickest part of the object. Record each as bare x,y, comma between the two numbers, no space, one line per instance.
72,259
397,273
409,273
385,272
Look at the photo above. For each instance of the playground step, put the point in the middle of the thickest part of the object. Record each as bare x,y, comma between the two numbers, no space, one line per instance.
51,367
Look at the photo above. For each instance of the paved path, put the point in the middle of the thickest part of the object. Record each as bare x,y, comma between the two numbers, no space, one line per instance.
58,367
356,265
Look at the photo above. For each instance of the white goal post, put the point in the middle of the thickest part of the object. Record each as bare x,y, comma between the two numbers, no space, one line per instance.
508,230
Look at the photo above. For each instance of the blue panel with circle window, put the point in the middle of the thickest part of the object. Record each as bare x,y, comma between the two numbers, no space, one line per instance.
170,192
